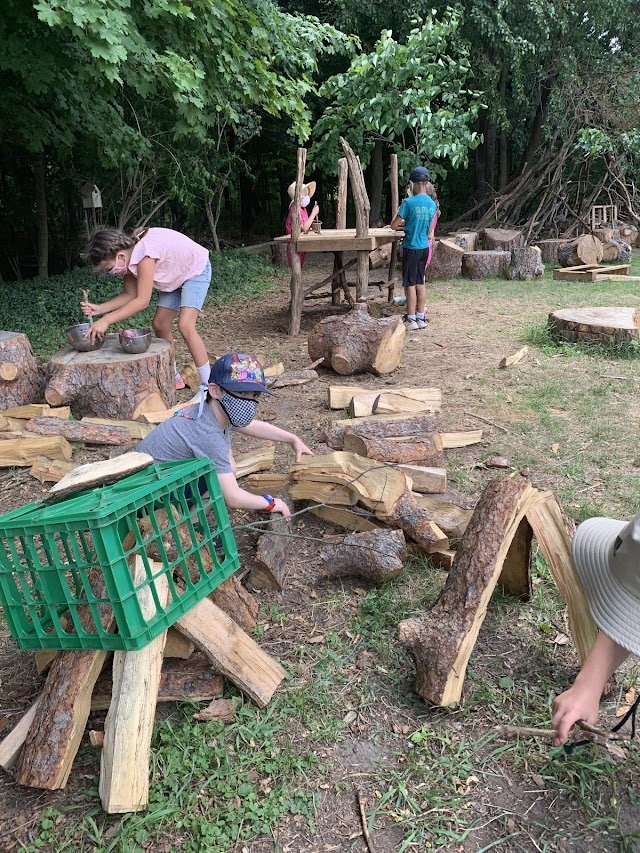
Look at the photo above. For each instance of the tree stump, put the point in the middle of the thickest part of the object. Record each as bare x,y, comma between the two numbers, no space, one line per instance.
376,555
279,254
594,325
549,249
20,380
478,265
356,343
525,265
109,383
467,240
502,238
586,249
616,249
446,261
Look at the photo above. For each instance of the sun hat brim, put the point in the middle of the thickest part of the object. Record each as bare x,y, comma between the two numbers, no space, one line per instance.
613,608
241,387
310,187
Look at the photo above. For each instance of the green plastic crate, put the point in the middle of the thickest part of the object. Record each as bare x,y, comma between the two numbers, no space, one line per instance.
65,568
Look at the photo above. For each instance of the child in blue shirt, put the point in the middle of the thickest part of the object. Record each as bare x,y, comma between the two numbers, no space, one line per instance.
418,213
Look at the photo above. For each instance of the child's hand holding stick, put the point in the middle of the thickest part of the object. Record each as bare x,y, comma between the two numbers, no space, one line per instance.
85,296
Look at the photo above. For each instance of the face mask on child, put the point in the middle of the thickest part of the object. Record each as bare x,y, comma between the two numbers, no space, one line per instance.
239,411
119,268
304,201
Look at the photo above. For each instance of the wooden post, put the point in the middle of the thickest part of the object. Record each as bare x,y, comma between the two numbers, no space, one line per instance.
395,204
295,311
340,280
363,208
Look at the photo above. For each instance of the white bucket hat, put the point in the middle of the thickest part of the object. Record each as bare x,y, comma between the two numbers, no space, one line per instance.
307,189
607,556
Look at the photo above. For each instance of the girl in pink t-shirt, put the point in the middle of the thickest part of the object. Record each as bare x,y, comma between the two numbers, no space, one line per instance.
306,220
154,259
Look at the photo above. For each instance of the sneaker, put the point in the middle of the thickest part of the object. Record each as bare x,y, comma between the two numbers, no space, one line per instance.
422,324
179,382
412,325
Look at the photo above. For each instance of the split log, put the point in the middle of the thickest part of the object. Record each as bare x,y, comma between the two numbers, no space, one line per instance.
61,716
356,520
274,370
591,325
478,265
376,555
525,264
137,430
98,474
21,452
517,357
379,427
260,459
271,483
50,470
442,559
446,260
124,771
586,249
616,249
21,381
442,639
86,433
426,448
406,401
25,413
356,343
109,383
380,256
605,234
231,651
552,530
417,523
293,377
271,555
467,240
426,480
12,744
462,438
333,494
515,577
502,238
452,519
150,403
549,250
236,601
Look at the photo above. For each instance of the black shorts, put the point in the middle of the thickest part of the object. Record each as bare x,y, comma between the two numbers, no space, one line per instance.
413,263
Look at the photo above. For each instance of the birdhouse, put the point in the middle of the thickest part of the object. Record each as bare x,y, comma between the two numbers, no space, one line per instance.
91,197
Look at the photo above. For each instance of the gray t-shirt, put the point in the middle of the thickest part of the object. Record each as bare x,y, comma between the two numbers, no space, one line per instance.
180,438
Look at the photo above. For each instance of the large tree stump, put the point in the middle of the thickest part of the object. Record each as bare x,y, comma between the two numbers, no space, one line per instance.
502,238
442,639
549,249
356,343
594,325
525,264
477,265
446,261
20,380
109,383
467,240
586,249
376,555
616,249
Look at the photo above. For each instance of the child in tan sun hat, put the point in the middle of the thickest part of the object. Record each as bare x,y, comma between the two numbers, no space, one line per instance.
306,219
607,556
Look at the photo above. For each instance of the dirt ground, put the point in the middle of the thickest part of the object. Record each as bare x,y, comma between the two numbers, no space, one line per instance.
512,807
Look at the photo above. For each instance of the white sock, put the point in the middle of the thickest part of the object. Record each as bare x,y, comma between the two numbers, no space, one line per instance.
419,316
203,373
176,372
411,316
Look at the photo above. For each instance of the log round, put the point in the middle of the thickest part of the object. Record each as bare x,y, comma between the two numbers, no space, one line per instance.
376,555
586,249
357,343
502,238
446,261
21,382
525,264
595,325
478,265
549,249
467,240
616,249
109,383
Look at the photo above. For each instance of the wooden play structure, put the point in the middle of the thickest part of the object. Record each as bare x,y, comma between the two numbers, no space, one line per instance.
363,240
603,214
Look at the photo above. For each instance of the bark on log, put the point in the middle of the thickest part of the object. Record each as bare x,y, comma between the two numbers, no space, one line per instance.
592,325
616,250
237,602
467,240
271,555
442,639
109,383
376,555
502,238
293,377
586,249
478,265
411,426
525,264
356,343
27,383
452,519
446,260
87,433
426,449
137,430
417,523
549,250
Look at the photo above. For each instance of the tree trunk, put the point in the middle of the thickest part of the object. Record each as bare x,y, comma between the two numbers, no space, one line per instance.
525,265
376,173
549,250
502,238
586,249
40,192
477,265
446,261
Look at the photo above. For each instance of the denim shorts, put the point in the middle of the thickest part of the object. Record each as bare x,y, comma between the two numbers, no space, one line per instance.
190,295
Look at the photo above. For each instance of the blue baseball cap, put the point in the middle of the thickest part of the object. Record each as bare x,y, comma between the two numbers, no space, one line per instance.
419,173
239,371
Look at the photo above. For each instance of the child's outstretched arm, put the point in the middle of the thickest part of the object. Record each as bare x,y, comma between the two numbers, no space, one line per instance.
269,432
132,306
238,498
581,701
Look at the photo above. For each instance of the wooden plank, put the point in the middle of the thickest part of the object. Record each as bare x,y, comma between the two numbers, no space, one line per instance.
460,439
124,771
515,358
137,430
232,651
98,473
12,744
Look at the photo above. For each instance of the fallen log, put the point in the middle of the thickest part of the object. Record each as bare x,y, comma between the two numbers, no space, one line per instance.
50,470
376,555
426,449
357,343
87,433
442,639
586,249
22,452
417,523
231,651
271,555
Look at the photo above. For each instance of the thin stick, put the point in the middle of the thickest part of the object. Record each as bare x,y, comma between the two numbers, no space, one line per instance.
363,821
487,421
85,296
520,731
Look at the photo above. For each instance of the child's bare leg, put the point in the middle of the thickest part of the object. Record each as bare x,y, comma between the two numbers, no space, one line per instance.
410,290
187,328
421,298
163,324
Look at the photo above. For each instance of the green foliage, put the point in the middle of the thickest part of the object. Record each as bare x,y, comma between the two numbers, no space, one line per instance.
414,96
